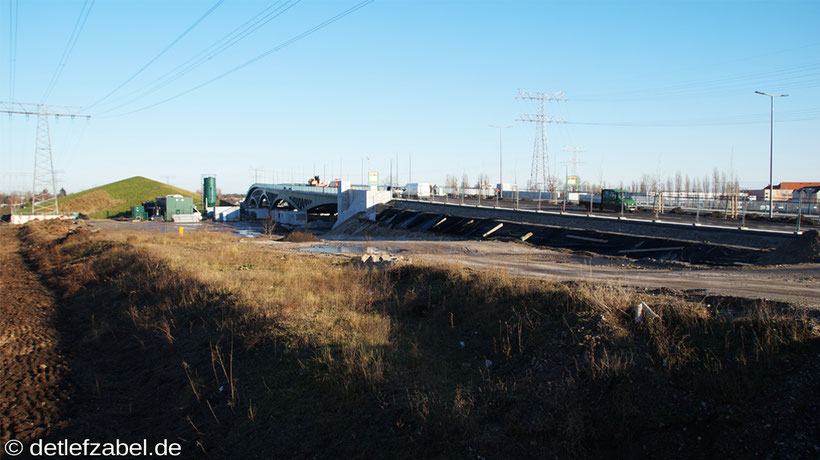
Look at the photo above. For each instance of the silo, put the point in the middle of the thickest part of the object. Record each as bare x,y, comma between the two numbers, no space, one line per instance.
209,191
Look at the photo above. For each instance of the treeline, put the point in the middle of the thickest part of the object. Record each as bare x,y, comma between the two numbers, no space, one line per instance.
718,183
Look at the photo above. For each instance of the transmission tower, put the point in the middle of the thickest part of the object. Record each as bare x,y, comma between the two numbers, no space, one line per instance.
540,171
574,162
44,174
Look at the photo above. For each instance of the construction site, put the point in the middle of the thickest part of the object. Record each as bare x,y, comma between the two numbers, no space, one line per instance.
263,241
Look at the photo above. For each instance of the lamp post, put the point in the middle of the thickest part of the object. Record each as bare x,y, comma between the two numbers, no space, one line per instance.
771,148
500,153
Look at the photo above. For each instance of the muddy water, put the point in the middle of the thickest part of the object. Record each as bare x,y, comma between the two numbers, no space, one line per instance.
352,249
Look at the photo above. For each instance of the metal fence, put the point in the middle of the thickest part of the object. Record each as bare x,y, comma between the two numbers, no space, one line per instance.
725,204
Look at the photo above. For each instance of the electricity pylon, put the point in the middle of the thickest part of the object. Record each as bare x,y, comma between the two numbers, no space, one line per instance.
574,162
44,178
540,172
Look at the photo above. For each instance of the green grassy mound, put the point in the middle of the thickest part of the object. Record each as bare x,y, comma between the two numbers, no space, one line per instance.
117,198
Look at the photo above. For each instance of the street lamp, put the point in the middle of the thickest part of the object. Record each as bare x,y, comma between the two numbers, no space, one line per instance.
500,150
771,148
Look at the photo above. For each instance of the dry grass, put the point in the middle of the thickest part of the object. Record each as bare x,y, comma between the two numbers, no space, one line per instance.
433,360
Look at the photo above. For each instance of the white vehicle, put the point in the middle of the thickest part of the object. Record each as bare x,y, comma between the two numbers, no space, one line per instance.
418,190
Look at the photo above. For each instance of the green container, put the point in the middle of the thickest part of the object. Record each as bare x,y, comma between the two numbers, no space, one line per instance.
209,192
176,205
138,212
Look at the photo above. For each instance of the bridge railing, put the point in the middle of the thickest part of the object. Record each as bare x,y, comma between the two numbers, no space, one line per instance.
311,188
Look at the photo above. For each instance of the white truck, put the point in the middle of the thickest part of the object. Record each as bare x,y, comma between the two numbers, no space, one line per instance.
418,190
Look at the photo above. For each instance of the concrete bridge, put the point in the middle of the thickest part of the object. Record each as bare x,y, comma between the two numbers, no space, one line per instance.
291,203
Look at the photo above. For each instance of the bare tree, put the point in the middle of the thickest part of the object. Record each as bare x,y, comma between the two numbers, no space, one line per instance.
483,181
647,183
465,181
724,183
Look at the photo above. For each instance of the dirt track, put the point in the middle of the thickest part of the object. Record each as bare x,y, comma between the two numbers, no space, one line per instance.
797,284
32,388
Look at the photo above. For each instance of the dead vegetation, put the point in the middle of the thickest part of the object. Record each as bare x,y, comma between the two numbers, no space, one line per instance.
241,350
92,202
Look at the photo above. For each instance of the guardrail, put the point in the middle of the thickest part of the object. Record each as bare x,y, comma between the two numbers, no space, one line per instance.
311,188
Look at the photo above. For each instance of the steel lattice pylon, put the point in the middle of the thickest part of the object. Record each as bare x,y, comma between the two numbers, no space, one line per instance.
41,201
540,173
44,179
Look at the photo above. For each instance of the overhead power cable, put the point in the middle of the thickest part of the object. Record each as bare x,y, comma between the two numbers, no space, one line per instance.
783,117
69,47
255,59
219,46
14,8
164,50
802,76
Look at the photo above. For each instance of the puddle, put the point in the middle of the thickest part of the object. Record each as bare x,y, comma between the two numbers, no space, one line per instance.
249,233
345,249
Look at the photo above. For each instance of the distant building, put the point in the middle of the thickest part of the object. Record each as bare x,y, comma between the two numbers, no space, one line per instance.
788,191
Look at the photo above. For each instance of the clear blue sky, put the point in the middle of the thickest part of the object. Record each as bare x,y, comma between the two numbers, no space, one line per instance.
671,82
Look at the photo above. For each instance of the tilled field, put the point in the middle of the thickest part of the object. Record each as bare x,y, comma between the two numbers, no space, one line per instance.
32,367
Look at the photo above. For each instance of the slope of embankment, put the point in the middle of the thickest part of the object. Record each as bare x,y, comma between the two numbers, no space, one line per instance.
237,350
117,198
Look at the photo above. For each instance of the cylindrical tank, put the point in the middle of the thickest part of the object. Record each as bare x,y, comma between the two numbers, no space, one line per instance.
209,191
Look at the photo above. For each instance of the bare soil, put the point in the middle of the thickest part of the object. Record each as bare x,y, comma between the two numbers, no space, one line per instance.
799,284
33,391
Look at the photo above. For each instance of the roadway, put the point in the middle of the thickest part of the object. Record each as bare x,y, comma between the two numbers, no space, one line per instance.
576,210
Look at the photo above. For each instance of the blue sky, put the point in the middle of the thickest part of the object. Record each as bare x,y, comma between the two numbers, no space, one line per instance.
667,86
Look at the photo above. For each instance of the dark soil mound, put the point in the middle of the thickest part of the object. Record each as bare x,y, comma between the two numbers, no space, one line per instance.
300,237
805,248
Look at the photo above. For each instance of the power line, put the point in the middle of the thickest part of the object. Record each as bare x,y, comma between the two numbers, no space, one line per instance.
14,12
69,47
802,76
257,58
164,50
791,116
219,46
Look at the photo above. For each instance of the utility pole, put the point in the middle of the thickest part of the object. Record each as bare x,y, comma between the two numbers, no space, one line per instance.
540,158
44,174
500,158
771,148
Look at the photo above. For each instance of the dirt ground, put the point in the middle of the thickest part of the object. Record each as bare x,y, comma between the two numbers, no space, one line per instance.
792,283
787,283
136,343
32,388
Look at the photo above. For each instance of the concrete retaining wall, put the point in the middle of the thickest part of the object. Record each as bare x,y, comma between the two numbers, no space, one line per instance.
760,239
352,202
